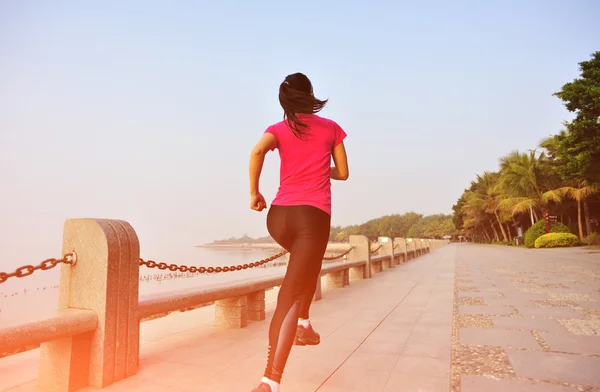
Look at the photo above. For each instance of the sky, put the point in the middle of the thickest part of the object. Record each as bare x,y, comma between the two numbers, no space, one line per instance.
147,111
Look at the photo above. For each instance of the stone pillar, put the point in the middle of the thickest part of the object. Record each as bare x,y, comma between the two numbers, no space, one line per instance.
232,312
401,248
337,279
361,252
387,248
256,306
105,279
410,248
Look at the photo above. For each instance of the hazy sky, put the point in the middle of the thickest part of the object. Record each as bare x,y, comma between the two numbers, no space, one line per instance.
147,110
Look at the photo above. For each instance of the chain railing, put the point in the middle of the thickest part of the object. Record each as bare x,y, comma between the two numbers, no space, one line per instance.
71,258
340,255
376,249
26,270
212,270
209,270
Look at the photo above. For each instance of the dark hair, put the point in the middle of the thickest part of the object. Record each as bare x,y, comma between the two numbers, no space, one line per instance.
296,97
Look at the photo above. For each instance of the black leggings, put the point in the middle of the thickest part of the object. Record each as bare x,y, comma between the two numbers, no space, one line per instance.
304,232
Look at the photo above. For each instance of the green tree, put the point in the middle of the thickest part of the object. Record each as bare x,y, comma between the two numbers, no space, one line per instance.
578,148
528,183
580,192
436,225
486,197
458,216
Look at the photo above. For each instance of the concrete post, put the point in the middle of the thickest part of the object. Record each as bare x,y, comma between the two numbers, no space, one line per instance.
105,279
337,279
362,251
400,244
410,248
256,306
387,248
231,312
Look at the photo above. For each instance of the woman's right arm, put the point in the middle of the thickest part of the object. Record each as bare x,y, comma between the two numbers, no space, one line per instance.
340,170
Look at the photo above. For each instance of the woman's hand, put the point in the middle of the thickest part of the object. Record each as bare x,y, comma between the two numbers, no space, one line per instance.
257,202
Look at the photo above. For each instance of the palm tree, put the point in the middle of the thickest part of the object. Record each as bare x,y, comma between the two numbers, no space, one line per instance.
528,183
580,191
475,227
481,207
486,197
577,190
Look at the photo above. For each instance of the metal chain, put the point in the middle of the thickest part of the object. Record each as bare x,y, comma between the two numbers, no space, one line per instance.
376,249
26,270
338,256
71,258
209,270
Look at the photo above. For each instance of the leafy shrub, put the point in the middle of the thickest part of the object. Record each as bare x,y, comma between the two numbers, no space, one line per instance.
554,240
539,229
500,243
592,239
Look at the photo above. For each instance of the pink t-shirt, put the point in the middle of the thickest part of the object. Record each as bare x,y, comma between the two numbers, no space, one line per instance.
304,176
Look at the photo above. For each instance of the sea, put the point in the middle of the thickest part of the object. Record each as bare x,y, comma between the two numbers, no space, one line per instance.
28,298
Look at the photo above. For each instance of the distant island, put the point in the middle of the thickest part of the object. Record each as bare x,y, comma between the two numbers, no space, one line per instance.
410,224
244,242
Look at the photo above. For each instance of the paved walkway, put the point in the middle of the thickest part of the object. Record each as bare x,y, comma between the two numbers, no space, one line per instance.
513,319
526,320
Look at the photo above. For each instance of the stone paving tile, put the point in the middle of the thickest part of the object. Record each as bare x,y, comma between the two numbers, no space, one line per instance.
549,312
576,369
581,327
373,346
488,289
439,328
480,384
502,302
574,344
489,310
325,388
414,374
481,295
589,304
354,378
497,337
385,362
426,345
29,387
528,323
525,298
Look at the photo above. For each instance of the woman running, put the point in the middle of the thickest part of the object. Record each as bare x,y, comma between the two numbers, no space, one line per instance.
300,215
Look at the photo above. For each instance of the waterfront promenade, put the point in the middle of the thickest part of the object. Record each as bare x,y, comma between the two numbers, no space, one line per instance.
462,318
